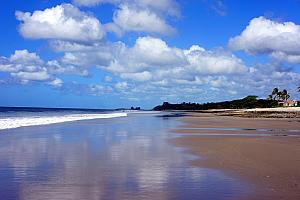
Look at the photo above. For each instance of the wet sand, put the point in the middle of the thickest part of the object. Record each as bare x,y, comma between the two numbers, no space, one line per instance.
118,158
271,164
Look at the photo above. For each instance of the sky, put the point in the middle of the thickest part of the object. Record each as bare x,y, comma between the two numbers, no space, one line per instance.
123,53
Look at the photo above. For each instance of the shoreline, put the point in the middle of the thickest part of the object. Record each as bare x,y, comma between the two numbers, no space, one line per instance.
268,163
279,112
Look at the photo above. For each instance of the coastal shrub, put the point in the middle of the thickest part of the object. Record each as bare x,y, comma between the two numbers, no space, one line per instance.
245,103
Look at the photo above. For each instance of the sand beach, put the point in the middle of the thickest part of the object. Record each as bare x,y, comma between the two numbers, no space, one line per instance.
263,151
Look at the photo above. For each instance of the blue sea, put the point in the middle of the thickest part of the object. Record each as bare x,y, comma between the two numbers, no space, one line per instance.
15,117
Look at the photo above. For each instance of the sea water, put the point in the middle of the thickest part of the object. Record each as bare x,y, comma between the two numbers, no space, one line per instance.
14,117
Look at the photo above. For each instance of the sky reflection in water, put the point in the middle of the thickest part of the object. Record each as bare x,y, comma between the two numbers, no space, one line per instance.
124,158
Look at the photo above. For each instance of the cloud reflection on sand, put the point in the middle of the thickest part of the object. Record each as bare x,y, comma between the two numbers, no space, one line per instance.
74,161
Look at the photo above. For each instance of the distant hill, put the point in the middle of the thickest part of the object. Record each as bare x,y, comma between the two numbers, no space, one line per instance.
245,103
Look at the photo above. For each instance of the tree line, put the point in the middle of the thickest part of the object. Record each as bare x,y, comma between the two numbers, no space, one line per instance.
248,102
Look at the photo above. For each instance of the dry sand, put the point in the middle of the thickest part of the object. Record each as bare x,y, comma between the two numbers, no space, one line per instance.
269,163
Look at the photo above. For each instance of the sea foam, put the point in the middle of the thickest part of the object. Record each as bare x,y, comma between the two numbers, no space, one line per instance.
16,122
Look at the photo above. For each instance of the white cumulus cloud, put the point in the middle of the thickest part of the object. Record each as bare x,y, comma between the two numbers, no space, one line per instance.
21,60
213,62
152,58
64,22
26,66
128,18
121,85
41,75
56,83
264,36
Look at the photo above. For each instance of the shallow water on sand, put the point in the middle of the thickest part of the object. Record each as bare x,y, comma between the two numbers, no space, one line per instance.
244,129
122,158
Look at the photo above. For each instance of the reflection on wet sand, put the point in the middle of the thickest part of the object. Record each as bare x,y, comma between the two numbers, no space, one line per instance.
264,152
104,159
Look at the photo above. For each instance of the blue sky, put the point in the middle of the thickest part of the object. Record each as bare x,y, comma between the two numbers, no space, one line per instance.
113,53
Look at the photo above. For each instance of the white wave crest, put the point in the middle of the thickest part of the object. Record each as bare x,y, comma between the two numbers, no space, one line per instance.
16,122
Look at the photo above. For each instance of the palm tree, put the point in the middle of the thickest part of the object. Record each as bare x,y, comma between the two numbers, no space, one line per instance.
279,95
275,93
270,97
285,95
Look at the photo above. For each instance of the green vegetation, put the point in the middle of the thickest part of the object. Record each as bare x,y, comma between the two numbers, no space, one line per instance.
135,108
279,95
275,99
247,102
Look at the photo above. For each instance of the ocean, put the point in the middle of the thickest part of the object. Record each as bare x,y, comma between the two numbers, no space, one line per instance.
15,117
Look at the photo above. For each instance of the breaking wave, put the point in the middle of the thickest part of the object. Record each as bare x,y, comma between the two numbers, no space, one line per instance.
16,122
